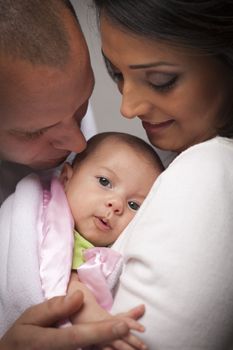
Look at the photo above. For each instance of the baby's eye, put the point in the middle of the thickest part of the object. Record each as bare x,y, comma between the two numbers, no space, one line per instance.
133,205
104,181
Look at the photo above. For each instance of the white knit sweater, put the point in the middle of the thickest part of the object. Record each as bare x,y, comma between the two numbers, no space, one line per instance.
179,253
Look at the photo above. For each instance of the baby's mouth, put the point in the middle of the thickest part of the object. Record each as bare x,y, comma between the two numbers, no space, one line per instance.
103,223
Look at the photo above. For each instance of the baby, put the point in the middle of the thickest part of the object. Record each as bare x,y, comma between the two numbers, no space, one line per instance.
105,188
97,196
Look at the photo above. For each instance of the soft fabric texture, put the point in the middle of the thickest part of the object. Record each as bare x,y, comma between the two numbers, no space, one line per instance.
33,264
98,268
80,245
100,273
56,241
36,251
20,285
10,175
178,253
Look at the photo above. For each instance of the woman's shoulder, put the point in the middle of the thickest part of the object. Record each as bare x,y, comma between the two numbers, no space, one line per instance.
217,152
205,164
216,143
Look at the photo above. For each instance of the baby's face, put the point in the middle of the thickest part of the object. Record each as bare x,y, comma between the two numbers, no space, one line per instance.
106,191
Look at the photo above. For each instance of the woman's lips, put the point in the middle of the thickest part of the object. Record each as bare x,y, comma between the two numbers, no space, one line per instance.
157,127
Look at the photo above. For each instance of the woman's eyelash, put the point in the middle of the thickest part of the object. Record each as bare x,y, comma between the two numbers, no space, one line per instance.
115,76
118,77
166,86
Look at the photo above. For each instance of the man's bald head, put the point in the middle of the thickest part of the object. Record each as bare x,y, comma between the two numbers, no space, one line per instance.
46,81
34,30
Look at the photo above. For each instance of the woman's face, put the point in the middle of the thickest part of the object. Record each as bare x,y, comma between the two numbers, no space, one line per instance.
178,95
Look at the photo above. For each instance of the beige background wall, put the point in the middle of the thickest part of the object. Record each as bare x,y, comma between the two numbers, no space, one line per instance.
105,101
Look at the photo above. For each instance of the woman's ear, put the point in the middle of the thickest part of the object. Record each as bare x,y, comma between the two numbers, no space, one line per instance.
66,175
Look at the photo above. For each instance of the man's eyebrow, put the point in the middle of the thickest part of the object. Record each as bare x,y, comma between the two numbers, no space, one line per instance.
18,130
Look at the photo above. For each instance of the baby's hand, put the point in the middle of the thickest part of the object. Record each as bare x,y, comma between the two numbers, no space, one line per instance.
92,311
131,341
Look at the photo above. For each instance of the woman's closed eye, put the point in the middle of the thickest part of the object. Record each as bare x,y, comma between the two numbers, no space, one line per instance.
103,181
162,81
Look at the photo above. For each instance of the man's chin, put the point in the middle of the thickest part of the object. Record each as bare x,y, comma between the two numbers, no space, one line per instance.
47,165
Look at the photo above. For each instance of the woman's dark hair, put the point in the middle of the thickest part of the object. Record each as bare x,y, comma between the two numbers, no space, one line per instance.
204,25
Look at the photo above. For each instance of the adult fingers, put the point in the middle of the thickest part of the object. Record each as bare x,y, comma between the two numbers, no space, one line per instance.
95,333
28,337
51,311
81,335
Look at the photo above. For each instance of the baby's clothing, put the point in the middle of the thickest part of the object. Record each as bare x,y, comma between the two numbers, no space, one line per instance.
80,245
29,273
36,250
98,268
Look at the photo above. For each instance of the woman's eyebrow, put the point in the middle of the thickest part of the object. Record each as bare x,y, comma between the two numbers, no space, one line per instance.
151,64
144,65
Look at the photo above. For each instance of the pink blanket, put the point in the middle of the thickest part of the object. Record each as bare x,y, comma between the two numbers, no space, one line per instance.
36,248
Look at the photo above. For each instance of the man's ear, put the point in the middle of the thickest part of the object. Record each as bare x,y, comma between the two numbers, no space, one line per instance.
66,174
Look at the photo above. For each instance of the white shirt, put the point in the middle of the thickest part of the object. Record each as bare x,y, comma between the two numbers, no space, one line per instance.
179,253
10,175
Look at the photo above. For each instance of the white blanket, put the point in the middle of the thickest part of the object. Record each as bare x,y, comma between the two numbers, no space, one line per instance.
21,229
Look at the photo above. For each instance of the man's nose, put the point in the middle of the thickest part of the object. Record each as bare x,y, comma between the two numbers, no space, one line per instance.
69,137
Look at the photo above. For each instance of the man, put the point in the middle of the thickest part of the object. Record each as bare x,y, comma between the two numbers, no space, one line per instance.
45,83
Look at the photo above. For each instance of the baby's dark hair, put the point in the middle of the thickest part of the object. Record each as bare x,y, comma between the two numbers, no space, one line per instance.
34,30
136,143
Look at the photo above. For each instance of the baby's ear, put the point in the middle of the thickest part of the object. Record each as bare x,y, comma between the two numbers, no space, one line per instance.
66,174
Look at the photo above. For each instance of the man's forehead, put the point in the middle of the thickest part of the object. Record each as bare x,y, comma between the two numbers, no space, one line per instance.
39,101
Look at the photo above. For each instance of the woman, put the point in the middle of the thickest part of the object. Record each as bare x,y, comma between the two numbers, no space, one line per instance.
173,64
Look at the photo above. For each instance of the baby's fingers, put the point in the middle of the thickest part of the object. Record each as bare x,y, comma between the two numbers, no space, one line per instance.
135,313
134,342
129,343
135,325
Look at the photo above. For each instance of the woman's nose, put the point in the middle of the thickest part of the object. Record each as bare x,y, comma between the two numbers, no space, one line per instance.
69,137
116,205
133,103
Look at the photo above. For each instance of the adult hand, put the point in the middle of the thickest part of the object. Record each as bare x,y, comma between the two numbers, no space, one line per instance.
34,329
